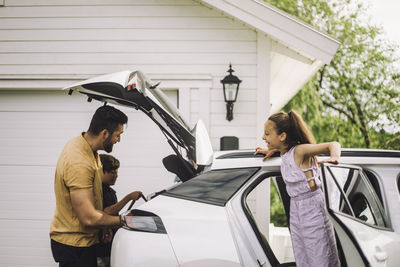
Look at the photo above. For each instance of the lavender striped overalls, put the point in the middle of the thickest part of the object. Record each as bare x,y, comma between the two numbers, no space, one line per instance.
312,233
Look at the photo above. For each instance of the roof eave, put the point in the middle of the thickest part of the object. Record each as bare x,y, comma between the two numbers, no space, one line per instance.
280,26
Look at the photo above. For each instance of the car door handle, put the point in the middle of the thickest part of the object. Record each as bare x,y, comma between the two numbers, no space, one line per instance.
260,264
380,255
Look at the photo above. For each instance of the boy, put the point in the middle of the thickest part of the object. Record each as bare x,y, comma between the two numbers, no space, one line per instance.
111,204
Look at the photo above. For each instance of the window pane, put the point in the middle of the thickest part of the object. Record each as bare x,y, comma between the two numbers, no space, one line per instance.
373,180
214,187
359,194
362,210
336,200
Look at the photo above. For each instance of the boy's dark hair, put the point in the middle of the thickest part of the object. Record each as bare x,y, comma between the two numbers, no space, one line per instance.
109,162
106,117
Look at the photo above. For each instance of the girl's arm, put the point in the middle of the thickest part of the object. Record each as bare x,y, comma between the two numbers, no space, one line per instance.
305,151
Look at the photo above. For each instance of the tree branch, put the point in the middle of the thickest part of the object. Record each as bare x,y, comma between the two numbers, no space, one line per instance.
350,116
363,126
321,77
342,111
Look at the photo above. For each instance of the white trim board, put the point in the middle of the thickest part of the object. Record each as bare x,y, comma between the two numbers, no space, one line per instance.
167,81
280,26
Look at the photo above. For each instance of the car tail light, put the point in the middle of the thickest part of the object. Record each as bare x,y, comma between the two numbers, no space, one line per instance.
143,221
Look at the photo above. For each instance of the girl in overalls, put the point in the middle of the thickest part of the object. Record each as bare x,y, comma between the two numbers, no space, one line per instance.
311,231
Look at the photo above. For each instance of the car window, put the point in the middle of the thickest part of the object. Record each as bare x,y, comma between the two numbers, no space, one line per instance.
351,193
336,200
213,187
375,184
362,209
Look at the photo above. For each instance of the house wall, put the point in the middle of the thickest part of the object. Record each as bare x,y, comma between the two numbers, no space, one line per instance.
46,45
79,39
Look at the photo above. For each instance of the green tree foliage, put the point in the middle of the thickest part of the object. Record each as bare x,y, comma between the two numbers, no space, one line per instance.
356,98
278,216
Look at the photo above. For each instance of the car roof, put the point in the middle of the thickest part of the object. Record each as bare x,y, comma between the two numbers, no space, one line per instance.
246,158
216,188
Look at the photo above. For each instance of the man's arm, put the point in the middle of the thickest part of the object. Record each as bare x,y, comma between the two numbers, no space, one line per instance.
115,209
83,204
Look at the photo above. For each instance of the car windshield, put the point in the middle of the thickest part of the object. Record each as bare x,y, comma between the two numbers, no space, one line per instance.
214,187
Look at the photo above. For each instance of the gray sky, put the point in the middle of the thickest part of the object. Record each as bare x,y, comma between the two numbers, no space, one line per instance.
386,13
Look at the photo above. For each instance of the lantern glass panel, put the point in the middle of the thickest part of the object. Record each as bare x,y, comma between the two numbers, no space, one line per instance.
230,92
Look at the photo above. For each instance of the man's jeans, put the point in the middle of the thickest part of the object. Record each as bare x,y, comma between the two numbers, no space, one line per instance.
69,256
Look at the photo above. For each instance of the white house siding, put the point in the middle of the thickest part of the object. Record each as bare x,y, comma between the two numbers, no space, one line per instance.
73,39
184,44
34,128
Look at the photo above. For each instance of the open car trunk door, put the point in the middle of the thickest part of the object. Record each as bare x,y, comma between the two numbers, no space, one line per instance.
358,217
133,89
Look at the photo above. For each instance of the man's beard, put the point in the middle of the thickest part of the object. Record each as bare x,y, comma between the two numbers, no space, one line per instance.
108,145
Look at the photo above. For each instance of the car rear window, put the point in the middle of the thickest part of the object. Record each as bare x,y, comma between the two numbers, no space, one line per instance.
214,187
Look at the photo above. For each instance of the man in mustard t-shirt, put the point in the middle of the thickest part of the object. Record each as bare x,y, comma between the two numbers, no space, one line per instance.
78,189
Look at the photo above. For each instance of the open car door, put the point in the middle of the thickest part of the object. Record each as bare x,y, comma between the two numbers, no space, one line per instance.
133,89
362,227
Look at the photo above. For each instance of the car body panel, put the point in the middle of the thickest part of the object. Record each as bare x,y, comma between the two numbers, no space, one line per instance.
370,239
245,158
350,249
387,178
204,156
128,245
211,234
199,232
380,247
204,222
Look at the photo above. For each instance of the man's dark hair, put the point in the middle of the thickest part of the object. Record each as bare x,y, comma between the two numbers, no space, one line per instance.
109,162
106,117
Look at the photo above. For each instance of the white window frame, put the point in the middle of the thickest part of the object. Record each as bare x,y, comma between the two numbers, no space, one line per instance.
185,84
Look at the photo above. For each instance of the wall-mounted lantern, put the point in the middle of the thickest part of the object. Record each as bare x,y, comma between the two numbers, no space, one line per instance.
230,84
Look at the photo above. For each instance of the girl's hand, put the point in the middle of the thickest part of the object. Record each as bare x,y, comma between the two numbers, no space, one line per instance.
268,153
333,160
260,150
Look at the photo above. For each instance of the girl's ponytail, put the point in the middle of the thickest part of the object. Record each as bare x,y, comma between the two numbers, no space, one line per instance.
301,133
294,126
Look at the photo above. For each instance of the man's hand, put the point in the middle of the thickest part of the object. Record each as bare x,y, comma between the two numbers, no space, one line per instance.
106,235
268,153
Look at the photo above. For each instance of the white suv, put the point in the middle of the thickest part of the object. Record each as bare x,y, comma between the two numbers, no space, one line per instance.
217,215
